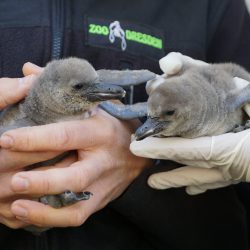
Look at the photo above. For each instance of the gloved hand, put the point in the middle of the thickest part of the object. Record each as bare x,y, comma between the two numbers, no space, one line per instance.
211,162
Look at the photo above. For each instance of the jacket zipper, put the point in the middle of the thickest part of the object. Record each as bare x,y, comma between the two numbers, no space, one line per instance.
57,28
57,19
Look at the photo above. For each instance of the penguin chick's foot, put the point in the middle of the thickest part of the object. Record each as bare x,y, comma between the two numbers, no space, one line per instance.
66,198
69,197
239,128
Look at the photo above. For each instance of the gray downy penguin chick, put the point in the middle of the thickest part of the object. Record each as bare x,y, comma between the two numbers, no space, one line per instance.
67,89
200,101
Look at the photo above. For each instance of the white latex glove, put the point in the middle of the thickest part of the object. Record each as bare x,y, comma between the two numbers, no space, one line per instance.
212,162
172,64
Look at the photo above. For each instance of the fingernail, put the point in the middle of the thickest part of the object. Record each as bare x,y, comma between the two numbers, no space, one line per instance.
30,64
19,184
6,141
19,211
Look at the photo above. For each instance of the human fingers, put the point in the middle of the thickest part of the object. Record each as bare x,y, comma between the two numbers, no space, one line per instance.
13,223
13,90
178,149
7,196
104,190
74,176
185,176
6,199
193,190
7,217
31,68
174,62
206,152
63,136
240,84
13,160
5,188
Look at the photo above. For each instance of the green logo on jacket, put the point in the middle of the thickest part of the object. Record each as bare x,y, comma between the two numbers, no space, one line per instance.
114,31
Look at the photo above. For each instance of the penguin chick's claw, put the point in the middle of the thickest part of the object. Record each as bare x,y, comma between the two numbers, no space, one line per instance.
125,112
125,77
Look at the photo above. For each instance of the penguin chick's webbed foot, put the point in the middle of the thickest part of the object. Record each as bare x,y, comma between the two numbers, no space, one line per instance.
69,197
125,112
65,199
125,78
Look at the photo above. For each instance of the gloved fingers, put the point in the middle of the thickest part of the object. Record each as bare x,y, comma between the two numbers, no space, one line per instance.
227,147
174,62
193,190
240,84
174,148
247,109
185,176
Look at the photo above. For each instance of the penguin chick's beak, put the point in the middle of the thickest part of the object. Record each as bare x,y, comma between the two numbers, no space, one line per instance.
152,126
104,92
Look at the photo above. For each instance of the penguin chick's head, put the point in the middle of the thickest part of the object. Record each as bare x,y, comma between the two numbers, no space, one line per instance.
169,108
72,86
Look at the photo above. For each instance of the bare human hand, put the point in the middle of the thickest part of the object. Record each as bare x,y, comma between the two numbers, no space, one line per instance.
105,167
12,90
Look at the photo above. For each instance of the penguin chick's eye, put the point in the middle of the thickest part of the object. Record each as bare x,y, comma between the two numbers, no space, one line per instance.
78,86
169,112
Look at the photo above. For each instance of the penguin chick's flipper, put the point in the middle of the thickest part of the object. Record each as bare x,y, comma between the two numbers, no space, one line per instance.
125,112
125,77
238,98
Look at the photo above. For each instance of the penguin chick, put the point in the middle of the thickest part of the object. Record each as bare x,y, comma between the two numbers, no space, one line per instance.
202,101
67,89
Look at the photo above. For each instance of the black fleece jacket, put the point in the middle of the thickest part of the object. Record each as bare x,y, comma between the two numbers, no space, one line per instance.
142,218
